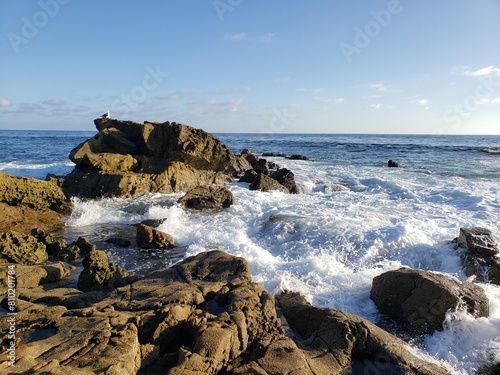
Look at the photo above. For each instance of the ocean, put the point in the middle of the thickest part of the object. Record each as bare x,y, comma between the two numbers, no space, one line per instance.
352,219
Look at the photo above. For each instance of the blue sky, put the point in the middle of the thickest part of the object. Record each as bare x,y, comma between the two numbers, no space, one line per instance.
323,66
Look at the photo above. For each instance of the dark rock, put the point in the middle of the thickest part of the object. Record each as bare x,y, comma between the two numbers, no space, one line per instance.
249,176
84,245
478,240
52,243
99,274
420,299
266,183
275,154
298,157
70,252
261,166
392,164
151,238
21,248
120,242
249,156
153,222
127,159
286,178
202,198
334,342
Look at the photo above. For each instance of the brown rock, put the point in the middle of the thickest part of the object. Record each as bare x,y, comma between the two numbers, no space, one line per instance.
98,274
479,240
151,238
202,198
335,342
420,299
21,248
286,178
266,183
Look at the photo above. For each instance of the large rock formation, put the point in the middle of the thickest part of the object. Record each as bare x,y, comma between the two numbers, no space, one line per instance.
27,203
21,248
201,316
127,159
420,299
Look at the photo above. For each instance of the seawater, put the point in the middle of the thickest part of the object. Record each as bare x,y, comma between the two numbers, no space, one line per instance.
352,219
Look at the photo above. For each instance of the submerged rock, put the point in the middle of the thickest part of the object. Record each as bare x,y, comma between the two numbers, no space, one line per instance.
420,299
203,198
392,164
127,159
298,157
151,238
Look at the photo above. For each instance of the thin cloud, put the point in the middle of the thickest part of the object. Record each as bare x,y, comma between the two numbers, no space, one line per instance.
329,100
486,71
421,102
54,102
4,102
377,106
381,88
282,79
490,101
241,37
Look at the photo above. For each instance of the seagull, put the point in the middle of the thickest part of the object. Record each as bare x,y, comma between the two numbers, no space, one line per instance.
106,115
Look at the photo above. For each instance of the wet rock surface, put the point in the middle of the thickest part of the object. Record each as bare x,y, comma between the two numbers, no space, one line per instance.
205,198
420,299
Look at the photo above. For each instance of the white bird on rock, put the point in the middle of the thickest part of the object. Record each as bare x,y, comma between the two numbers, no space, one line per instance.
106,115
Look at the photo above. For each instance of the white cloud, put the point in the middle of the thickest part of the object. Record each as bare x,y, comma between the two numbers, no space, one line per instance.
421,102
490,101
282,79
379,87
4,102
377,106
55,102
486,71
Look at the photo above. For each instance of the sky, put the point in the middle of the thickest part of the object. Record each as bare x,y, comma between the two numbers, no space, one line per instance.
253,66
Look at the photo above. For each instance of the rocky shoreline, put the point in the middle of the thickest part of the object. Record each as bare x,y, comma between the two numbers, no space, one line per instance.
204,315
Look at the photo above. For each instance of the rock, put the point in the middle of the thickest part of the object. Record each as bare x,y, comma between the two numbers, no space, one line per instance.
151,238
26,203
33,276
53,244
479,240
286,178
249,156
98,274
392,164
266,183
70,252
420,299
202,198
249,176
21,248
335,342
84,245
298,157
275,154
153,222
120,242
127,159
480,257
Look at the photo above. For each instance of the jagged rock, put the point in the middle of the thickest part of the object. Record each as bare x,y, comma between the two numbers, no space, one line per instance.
98,274
33,276
480,257
27,203
70,252
249,176
21,248
84,245
392,164
249,156
266,183
420,299
202,198
298,157
153,222
53,244
127,159
334,342
151,238
286,178
479,240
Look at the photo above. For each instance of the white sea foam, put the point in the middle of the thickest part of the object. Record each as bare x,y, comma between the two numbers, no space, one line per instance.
37,170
